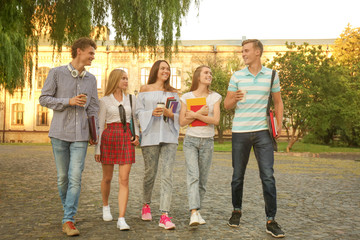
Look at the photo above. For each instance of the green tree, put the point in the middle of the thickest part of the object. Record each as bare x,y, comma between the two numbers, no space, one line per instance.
221,69
347,50
313,92
144,24
12,45
347,54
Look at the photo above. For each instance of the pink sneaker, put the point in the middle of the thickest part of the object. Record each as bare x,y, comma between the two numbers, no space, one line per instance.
146,213
166,223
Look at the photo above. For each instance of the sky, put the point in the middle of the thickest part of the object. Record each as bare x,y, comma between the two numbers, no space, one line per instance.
270,19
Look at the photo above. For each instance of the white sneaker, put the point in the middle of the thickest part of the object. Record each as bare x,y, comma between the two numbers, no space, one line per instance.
121,224
107,214
194,219
201,220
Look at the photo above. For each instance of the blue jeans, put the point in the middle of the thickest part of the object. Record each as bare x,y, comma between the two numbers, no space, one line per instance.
70,160
264,153
164,153
198,155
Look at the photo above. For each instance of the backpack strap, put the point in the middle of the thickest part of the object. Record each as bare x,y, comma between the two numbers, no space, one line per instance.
270,98
132,126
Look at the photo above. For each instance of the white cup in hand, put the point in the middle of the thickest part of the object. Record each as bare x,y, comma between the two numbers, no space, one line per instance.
243,91
160,105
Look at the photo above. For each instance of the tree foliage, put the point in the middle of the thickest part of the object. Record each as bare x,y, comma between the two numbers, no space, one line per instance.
317,95
221,69
295,89
12,45
347,50
347,55
142,23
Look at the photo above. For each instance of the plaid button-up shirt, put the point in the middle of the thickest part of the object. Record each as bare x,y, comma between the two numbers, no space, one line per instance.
69,123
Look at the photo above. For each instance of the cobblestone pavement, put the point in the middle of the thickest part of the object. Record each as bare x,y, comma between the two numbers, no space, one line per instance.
317,199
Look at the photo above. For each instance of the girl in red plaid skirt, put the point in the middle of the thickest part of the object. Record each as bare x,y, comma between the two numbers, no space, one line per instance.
116,145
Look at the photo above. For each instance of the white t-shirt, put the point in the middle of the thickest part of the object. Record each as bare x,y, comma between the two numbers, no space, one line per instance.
208,130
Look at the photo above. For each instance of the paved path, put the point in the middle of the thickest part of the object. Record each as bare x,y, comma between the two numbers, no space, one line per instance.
317,199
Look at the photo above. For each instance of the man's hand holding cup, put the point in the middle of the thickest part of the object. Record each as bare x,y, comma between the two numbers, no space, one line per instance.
79,100
240,95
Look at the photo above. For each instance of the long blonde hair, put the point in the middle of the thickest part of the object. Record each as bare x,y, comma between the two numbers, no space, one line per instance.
114,79
196,78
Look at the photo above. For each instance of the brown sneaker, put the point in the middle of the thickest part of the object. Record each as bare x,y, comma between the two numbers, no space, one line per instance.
70,229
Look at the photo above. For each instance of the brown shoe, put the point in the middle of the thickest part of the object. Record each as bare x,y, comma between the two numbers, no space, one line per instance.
70,229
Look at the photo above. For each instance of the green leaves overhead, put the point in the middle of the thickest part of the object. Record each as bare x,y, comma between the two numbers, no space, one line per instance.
12,45
144,24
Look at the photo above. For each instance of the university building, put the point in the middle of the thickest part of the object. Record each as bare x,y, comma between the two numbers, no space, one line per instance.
24,120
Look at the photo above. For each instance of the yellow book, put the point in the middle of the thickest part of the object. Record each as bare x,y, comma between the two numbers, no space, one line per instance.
195,104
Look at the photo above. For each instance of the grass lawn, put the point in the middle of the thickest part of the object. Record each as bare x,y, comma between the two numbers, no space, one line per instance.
298,147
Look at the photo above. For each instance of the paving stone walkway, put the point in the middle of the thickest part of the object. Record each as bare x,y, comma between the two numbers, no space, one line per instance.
318,198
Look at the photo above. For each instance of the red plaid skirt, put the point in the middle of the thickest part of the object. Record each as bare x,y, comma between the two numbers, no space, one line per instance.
116,147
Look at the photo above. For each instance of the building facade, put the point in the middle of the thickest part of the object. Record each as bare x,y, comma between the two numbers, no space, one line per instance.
24,120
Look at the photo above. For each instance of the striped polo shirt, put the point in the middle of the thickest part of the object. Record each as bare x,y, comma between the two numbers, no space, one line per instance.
250,116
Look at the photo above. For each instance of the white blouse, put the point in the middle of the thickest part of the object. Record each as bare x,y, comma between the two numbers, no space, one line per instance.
109,113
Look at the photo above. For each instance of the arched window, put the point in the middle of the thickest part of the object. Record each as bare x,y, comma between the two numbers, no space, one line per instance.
144,73
18,114
97,73
41,75
42,116
175,78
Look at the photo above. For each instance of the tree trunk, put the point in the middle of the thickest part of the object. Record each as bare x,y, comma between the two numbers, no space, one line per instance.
293,139
290,144
220,136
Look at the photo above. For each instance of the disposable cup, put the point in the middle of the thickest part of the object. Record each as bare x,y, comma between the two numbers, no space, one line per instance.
160,105
243,100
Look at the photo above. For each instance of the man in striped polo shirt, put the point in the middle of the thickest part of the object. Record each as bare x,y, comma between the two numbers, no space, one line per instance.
248,92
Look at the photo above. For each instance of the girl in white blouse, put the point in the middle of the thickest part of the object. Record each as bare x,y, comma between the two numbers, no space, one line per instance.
116,145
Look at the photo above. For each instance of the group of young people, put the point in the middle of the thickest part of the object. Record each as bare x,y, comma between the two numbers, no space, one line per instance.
122,118
160,127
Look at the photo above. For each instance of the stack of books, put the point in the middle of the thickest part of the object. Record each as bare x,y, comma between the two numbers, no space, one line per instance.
195,104
171,103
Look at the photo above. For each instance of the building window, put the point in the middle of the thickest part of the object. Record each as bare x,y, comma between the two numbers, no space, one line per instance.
144,73
175,79
18,114
42,116
97,73
42,73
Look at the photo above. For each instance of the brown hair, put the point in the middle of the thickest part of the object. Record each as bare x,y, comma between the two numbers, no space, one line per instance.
154,72
114,79
81,43
196,77
256,43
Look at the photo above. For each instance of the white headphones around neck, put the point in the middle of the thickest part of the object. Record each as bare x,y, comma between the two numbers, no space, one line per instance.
75,73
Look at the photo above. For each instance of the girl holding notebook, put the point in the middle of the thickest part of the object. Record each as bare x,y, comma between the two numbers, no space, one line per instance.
160,131
117,145
200,109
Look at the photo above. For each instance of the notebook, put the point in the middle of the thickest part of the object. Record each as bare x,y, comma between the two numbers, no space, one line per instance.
195,104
